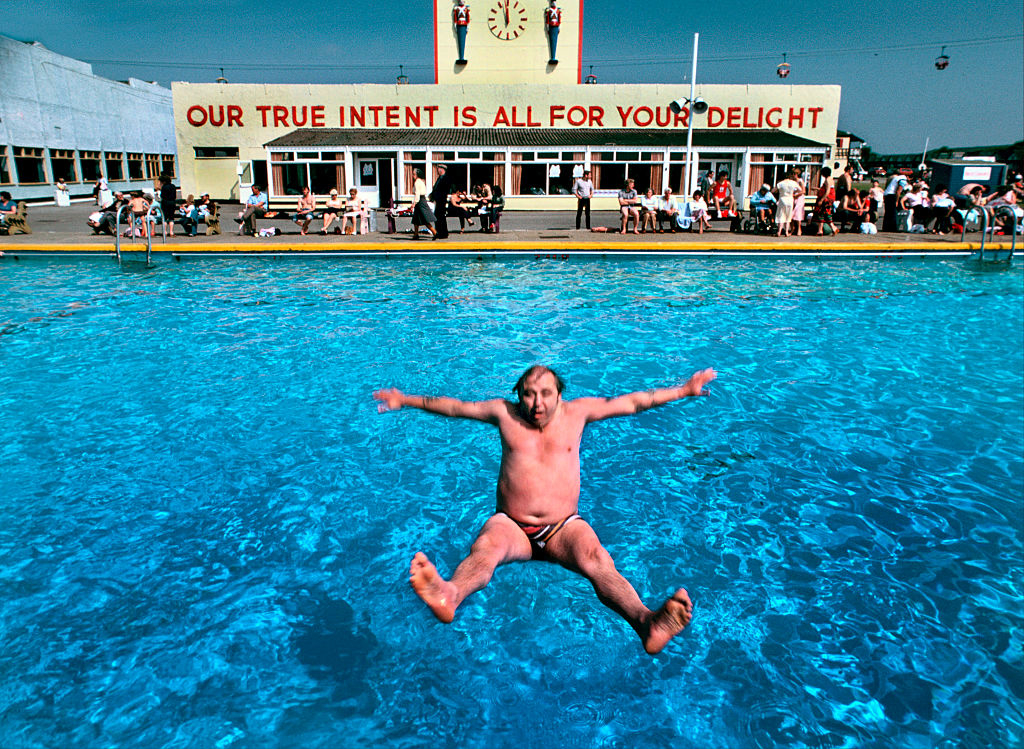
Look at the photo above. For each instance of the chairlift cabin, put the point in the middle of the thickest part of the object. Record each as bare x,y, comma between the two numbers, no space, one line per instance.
942,61
783,69
591,78
402,79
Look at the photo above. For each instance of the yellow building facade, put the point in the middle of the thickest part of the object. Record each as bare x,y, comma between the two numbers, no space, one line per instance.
510,112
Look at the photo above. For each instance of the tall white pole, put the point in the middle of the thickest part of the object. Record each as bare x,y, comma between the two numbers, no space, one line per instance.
690,181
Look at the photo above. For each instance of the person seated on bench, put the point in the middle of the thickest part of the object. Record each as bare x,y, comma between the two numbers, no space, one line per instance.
648,210
7,206
455,208
490,214
853,209
334,206
699,212
668,211
721,194
353,210
943,206
304,211
104,221
255,207
189,216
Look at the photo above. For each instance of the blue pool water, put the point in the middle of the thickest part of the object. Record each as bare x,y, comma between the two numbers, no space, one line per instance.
206,526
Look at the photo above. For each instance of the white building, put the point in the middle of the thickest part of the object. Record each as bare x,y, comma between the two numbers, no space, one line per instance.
59,120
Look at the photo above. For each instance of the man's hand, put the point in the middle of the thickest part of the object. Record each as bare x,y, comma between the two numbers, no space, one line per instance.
390,400
695,385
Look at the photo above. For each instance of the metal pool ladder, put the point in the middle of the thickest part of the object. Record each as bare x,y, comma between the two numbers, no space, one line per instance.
149,232
983,213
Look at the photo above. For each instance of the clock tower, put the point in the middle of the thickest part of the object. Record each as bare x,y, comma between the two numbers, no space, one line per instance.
507,41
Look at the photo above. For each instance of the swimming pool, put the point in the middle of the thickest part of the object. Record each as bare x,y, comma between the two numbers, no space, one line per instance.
207,526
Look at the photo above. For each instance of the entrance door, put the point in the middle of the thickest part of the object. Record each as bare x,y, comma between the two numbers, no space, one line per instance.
386,180
251,173
367,179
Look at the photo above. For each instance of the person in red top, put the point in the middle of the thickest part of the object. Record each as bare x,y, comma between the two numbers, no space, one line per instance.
721,193
460,17
824,208
552,22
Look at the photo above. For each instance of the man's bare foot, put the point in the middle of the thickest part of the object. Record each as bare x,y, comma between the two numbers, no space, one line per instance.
435,591
668,621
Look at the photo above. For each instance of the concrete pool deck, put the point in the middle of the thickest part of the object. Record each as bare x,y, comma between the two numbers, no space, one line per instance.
63,231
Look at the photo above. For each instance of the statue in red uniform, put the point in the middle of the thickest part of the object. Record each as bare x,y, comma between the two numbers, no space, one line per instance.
552,22
460,17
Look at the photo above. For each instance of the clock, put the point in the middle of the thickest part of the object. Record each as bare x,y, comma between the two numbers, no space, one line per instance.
507,19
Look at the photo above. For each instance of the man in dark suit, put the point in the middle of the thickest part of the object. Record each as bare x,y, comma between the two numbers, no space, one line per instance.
439,194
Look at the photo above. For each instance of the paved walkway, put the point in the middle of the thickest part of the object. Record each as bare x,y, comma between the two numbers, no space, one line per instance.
64,231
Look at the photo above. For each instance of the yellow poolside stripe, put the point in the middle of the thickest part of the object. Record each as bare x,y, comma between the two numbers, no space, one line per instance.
426,246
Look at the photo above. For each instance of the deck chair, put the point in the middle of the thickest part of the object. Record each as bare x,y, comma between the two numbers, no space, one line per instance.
213,221
17,223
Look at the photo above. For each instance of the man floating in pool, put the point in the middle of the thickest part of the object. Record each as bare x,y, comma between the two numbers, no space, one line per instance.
538,496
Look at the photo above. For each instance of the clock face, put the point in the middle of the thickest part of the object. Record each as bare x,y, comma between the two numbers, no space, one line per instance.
507,19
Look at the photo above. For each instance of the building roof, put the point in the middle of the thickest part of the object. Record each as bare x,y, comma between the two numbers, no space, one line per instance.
851,136
534,137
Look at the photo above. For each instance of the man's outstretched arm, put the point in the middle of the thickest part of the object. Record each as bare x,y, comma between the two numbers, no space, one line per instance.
393,400
596,409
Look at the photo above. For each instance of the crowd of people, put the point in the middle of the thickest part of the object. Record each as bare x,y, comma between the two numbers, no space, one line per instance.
145,210
903,205
838,206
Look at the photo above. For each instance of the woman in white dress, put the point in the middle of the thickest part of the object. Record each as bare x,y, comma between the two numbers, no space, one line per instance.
788,191
799,210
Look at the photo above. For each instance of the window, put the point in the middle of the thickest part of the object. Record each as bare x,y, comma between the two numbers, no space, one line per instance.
5,167
90,163
115,165
28,164
152,165
216,152
325,177
491,172
413,160
550,173
532,179
289,179
135,166
610,170
62,165
367,172
771,168
167,165
282,156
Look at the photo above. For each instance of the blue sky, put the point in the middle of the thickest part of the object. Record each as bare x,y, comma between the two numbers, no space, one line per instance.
882,54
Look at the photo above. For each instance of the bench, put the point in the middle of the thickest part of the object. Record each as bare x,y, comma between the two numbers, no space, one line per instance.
17,222
344,214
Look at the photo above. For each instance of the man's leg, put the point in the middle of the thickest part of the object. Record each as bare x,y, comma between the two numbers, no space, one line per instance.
500,541
586,207
579,211
576,547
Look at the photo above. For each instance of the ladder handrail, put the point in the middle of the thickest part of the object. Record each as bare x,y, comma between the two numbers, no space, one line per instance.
984,212
148,224
1013,222
117,231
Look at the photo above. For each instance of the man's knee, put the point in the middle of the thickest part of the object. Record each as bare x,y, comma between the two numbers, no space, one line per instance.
594,559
